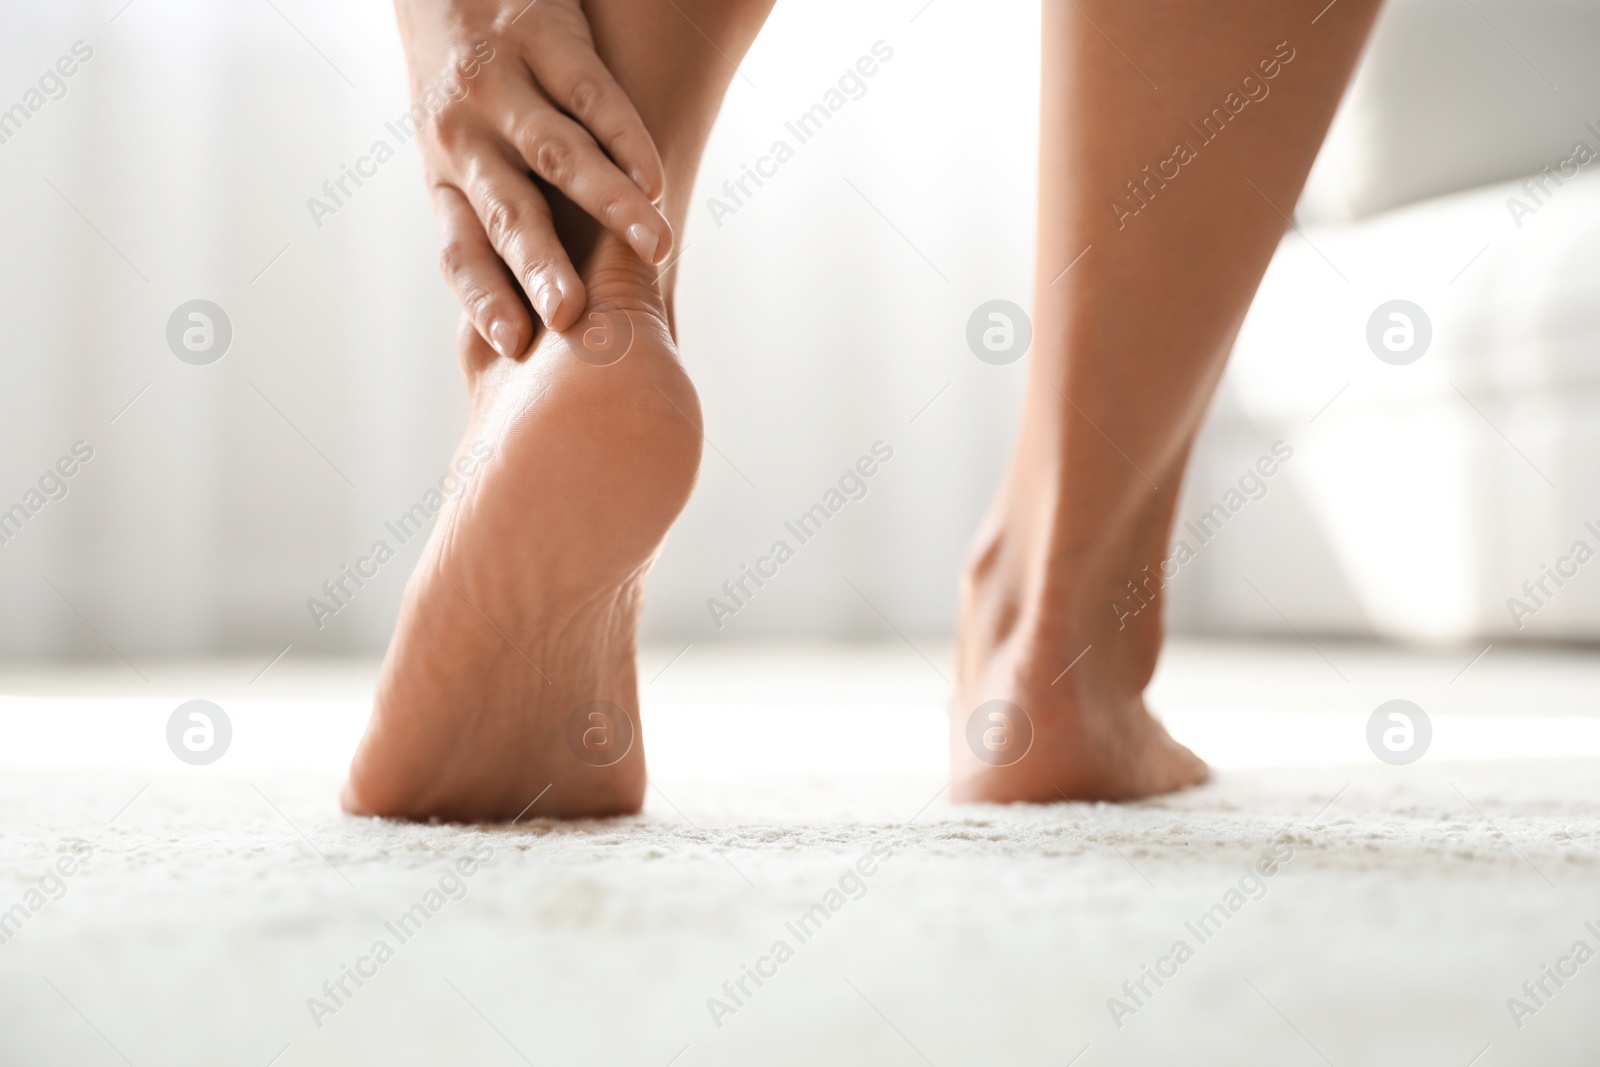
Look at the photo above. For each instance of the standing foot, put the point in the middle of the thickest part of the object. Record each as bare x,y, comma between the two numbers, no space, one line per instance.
1025,727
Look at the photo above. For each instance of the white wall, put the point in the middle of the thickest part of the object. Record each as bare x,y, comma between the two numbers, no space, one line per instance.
190,143
178,165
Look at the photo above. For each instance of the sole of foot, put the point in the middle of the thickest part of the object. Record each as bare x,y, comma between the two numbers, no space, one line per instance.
510,679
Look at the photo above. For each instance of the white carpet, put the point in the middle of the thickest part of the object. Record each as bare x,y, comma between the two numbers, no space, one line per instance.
1405,906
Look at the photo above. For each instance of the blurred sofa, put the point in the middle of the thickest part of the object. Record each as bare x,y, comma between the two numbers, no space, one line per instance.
1455,497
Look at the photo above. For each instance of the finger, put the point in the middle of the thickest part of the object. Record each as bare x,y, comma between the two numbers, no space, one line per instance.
478,276
577,80
472,352
563,154
516,219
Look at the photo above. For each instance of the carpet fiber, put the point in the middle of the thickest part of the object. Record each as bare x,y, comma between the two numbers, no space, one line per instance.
1315,911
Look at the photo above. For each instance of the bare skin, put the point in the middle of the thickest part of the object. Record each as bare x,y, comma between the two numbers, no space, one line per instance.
524,608
1128,347
509,92
526,603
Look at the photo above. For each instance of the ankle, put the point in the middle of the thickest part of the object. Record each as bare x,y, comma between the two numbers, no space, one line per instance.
1046,582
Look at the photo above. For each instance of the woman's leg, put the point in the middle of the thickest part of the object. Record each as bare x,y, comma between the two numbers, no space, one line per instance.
675,59
509,683
1175,140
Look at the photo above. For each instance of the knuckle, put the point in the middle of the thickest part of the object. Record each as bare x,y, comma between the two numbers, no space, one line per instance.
448,124
611,209
478,302
512,25
584,97
453,261
538,271
536,268
460,269
500,220
554,160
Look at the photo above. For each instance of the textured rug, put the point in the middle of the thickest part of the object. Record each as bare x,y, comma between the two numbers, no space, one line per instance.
1325,912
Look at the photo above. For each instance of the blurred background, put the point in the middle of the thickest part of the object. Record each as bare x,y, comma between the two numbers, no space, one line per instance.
826,314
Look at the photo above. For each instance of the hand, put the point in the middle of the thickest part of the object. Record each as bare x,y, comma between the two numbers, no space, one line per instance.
509,87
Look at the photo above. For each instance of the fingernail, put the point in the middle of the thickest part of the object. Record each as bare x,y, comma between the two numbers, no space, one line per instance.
641,181
504,338
644,241
546,301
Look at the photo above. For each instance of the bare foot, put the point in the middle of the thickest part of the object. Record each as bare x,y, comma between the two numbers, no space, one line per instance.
1023,727
512,665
